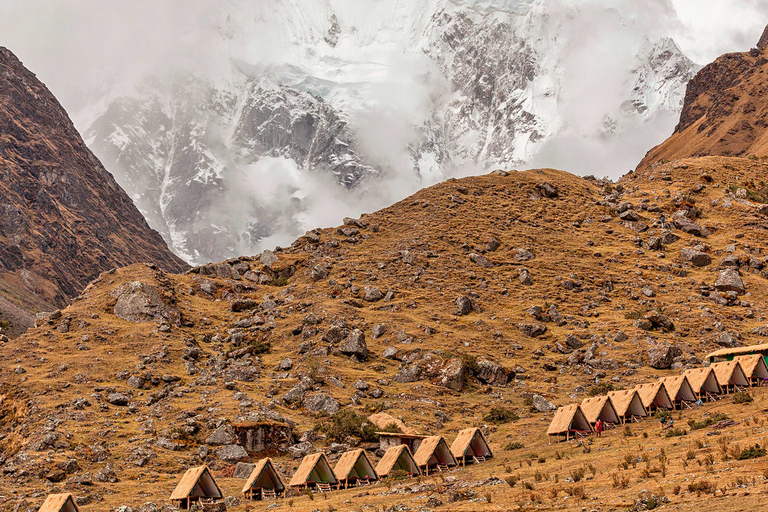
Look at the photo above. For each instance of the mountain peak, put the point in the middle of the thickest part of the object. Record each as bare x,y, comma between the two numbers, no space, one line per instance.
763,43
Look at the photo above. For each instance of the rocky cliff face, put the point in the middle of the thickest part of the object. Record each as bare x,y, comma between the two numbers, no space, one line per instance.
724,112
63,218
376,107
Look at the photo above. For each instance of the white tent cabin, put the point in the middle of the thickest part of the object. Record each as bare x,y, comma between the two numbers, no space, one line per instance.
754,368
471,446
197,485
628,404
264,482
59,503
730,376
679,391
654,396
600,408
434,454
569,421
314,472
355,468
703,383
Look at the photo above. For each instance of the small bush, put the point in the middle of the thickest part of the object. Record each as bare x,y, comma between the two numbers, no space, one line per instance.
706,422
600,389
280,281
500,415
577,474
511,480
528,486
259,347
742,397
619,481
344,423
701,486
752,453
676,432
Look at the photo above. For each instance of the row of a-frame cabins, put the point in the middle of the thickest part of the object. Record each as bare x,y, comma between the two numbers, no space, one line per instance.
353,468
668,393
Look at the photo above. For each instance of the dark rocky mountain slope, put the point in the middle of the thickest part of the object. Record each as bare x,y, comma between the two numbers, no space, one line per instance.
63,218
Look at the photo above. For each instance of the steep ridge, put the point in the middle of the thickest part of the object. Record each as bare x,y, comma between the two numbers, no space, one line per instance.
63,218
471,294
724,112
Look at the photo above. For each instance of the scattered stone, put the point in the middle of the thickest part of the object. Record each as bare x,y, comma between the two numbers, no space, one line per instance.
453,374
464,306
118,399
547,189
243,470
372,294
232,453
318,272
378,331
525,277
727,340
729,281
532,330
697,258
242,305
223,435
480,260
523,255
321,403
661,357
140,302
541,404
354,345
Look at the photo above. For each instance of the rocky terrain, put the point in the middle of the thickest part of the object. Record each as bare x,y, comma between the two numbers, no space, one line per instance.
724,112
63,218
522,291
232,161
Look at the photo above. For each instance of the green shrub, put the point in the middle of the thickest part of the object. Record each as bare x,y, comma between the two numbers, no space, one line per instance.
742,397
752,453
391,427
501,415
514,445
260,347
676,432
346,422
280,281
697,425
600,389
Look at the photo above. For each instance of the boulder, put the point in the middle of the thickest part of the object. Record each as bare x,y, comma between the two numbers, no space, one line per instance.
729,281
301,450
372,294
659,320
354,345
464,306
335,333
573,342
389,353
453,374
662,357
668,238
643,324
697,258
118,399
232,453
318,272
682,222
268,258
321,403
532,330
480,260
523,255
541,404
525,277
630,216
243,470
491,373
408,373
223,435
378,331
140,302
727,340
547,189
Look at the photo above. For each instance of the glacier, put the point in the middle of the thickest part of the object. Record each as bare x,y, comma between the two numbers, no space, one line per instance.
290,114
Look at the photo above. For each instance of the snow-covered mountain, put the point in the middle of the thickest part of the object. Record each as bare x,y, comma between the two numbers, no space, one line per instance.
295,112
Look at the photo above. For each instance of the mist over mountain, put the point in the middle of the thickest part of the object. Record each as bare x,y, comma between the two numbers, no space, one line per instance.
267,119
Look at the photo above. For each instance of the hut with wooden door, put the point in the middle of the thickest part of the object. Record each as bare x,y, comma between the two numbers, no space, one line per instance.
471,446
264,482
679,391
730,376
600,408
703,383
754,368
629,406
196,486
355,468
59,503
315,472
398,459
654,396
569,421
434,455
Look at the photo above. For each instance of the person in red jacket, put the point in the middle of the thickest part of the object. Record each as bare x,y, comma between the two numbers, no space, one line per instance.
599,428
